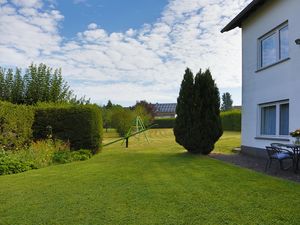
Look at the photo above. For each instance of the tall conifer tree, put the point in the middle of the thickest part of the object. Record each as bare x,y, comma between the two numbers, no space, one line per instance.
184,108
198,123
17,94
2,83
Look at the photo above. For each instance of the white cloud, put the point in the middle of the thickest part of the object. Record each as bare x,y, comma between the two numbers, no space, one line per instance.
138,64
28,3
92,26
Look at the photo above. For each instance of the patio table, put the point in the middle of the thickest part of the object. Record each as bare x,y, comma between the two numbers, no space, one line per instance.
296,154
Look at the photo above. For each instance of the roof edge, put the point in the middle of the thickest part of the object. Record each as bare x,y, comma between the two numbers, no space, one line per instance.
236,22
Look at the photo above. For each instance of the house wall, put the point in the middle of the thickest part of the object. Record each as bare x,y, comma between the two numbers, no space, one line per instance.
279,82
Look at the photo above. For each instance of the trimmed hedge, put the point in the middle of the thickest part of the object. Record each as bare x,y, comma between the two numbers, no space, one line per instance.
80,125
15,125
231,120
164,122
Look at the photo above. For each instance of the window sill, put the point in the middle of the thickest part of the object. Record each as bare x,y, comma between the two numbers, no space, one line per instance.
272,138
273,64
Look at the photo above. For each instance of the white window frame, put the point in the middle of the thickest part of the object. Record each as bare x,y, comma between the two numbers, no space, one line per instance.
259,112
275,31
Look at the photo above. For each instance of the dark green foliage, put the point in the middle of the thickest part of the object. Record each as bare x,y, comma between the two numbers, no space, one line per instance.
17,93
9,83
226,102
231,120
80,125
198,123
15,125
184,109
108,105
2,83
10,164
164,123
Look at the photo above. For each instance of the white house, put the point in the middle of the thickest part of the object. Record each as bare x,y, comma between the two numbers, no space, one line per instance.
271,72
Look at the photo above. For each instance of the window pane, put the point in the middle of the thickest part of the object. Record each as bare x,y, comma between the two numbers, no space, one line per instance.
268,120
284,42
284,119
268,50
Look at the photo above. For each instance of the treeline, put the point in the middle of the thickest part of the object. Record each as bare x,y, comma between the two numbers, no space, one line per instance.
122,119
39,83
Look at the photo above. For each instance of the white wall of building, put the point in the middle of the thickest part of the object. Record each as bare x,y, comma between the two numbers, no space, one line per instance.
281,81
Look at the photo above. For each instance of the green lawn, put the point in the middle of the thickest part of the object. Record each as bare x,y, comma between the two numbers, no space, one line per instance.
228,141
156,183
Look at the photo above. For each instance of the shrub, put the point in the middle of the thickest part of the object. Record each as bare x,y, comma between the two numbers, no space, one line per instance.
164,123
15,125
122,120
40,153
67,156
10,164
81,125
198,123
81,155
231,120
62,157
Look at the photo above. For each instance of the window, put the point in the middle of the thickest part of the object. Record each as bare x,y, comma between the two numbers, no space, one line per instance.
268,120
284,42
284,119
274,119
274,46
268,51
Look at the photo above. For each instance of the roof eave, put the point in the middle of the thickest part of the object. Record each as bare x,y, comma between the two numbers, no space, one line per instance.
237,21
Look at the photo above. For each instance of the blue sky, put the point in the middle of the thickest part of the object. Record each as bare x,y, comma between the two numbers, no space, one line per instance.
111,15
124,50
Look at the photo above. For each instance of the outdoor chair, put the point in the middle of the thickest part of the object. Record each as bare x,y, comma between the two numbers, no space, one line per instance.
282,148
279,154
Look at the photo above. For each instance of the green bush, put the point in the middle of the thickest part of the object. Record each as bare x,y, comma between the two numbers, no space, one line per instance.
122,120
67,156
40,153
10,164
231,120
81,155
80,125
62,157
15,125
164,122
